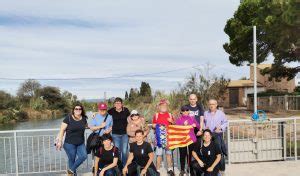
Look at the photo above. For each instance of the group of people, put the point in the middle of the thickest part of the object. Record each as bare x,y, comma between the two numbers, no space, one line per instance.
121,129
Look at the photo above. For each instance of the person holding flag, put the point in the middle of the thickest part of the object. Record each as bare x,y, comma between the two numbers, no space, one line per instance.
186,145
161,120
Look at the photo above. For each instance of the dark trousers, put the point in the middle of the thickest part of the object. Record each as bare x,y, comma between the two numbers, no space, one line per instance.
134,169
185,155
222,145
198,170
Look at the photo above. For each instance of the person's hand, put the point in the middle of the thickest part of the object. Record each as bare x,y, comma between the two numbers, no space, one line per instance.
194,125
125,170
170,119
185,122
143,172
218,129
210,169
201,163
58,146
199,133
93,128
102,173
103,124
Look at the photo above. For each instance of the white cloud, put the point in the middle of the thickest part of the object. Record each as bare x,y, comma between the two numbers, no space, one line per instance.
67,39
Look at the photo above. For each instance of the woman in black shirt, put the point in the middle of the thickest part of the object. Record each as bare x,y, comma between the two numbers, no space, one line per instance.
74,126
140,159
207,156
120,114
106,158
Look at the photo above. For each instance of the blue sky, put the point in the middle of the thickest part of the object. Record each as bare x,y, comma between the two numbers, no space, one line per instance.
111,38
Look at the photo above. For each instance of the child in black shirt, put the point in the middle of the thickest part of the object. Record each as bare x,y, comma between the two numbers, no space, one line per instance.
140,159
107,158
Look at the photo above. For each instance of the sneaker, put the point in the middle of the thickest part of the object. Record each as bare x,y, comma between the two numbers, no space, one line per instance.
70,172
171,173
182,173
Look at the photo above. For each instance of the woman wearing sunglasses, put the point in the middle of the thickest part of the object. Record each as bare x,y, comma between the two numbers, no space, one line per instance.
73,126
186,152
136,122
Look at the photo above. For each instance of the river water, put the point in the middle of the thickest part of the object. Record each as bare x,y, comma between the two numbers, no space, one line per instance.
35,124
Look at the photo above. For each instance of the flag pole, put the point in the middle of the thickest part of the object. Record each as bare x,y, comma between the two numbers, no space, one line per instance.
188,160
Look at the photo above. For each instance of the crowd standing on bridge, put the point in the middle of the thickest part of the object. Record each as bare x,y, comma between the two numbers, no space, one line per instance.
119,144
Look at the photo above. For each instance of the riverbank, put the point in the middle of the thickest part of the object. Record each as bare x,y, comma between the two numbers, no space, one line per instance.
11,116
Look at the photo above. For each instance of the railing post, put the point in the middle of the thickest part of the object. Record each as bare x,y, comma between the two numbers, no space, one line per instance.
295,138
16,153
228,143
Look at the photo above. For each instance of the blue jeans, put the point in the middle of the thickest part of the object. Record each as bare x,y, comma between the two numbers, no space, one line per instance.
73,151
121,141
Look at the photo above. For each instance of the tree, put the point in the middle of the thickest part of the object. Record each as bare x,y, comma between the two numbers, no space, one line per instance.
53,97
133,94
28,90
126,95
145,90
205,88
278,26
7,101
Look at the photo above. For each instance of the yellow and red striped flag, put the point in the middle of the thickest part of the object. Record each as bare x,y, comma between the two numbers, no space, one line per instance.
178,136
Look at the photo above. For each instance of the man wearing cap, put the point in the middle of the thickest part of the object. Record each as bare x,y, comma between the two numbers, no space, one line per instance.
98,123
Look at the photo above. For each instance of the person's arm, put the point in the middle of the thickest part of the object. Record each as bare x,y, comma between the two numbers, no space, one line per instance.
154,121
96,128
195,122
151,156
112,165
217,160
197,158
130,131
201,126
129,161
96,165
171,119
62,130
178,121
109,126
224,122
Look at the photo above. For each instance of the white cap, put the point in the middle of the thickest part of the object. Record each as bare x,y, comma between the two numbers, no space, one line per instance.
134,112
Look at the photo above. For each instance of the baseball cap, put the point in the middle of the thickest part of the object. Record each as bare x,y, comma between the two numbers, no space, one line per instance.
102,106
134,112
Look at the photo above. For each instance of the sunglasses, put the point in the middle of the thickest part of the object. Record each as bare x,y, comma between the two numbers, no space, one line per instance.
77,109
185,110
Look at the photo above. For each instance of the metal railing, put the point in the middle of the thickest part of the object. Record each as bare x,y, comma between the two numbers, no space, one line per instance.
33,151
271,140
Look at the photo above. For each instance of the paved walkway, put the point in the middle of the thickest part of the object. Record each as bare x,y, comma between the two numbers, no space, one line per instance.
280,168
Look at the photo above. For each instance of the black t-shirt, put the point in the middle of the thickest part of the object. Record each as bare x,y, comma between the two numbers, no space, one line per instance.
119,120
107,156
196,111
75,130
207,154
140,153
